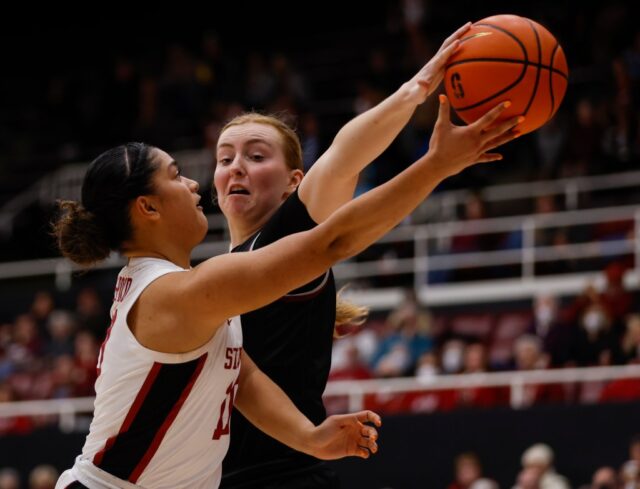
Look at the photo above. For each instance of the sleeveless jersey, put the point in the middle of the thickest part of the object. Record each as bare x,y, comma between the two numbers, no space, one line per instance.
161,420
290,340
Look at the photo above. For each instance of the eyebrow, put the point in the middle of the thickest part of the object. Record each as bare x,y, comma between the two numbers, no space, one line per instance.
174,164
250,141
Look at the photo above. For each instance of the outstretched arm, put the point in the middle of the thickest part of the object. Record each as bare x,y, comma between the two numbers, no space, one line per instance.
263,403
331,181
193,304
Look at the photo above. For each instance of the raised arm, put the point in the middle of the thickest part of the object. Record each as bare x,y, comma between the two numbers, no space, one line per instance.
228,285
331,181
268,408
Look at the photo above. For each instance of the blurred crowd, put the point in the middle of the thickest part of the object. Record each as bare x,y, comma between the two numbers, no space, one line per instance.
49,352
178,90
538,472
596,328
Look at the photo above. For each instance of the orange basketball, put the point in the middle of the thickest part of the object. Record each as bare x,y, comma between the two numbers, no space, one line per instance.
506,57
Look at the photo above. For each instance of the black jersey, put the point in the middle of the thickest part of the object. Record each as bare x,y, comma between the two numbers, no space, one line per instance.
290,340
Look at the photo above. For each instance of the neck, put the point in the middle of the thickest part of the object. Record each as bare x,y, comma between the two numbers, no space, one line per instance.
241,230
180,258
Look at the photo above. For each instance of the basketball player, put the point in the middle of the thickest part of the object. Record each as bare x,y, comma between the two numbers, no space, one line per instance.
261,191
172,367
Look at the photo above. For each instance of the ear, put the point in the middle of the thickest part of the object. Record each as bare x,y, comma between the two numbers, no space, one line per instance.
146,207
295,177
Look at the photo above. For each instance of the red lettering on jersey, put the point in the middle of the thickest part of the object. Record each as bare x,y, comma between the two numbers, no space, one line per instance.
122,288
232,358
222,428
104,343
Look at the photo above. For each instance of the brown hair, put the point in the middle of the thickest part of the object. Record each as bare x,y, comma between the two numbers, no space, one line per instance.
87,231
291,146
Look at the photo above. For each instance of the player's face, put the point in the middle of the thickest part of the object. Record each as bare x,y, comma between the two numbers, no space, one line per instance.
178,200
251,177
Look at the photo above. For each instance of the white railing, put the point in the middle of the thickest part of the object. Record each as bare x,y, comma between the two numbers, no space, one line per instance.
443,205
68,410
355,390
425,261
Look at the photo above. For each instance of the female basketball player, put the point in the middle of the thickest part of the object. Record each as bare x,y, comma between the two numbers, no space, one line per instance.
172,365
261,191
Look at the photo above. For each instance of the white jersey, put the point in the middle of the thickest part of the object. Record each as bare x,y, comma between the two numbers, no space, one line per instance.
161,420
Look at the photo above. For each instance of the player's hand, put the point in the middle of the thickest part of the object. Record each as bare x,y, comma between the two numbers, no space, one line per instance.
454,148
345,435
429,77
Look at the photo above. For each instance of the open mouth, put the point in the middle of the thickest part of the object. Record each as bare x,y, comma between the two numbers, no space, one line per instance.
238,190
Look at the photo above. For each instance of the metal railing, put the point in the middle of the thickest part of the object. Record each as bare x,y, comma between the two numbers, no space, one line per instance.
515,381
425,260
68,410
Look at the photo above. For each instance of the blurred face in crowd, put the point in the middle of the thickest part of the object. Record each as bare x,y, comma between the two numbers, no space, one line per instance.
467,470
604,478
251,176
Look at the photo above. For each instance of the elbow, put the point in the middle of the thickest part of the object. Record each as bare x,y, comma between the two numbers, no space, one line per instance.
341,248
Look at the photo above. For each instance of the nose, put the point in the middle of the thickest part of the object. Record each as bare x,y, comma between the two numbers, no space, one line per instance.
193,185
236,167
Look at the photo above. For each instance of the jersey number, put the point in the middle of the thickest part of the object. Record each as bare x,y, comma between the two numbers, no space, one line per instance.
226,407
104,343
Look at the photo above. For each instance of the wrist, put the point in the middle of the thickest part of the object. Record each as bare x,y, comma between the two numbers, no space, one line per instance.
305,439
436,166
411,94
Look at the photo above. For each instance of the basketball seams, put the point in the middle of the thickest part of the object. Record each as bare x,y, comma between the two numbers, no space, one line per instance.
553,99
509,87
498,64
537,82
512,61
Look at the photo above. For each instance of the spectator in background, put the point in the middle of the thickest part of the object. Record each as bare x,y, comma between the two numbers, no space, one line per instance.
595,342
9,479
85,359
61,327
528,355
90,312
614,298
467,471
528,478
630,475
629,351
408,338
427,367
452,356
539,457
43,477
27,346
603,478
352,366
42,305
546,325
475,362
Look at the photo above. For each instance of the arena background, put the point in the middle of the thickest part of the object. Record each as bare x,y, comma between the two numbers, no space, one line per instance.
568,235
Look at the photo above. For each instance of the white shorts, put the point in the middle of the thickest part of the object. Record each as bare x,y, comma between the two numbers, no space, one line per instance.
92,477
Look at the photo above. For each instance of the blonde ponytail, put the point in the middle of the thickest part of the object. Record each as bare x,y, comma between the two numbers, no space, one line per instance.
349,316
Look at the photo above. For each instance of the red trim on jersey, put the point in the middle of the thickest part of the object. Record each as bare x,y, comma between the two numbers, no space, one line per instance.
167,422
303,296
133,411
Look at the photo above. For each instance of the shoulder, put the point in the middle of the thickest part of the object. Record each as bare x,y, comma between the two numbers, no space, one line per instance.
292,217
